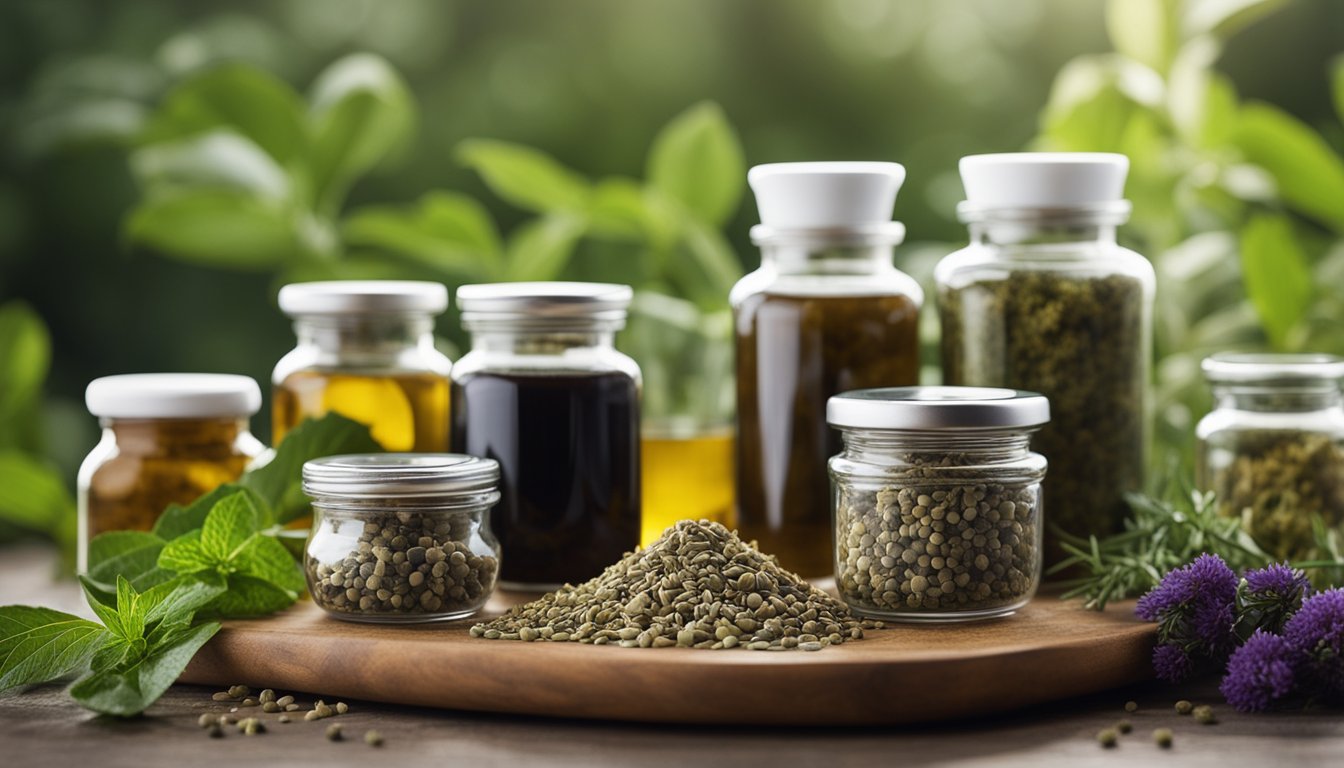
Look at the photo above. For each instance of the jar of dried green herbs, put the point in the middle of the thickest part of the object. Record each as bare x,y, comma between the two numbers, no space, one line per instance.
401,537
937,501
1272,448
1044,299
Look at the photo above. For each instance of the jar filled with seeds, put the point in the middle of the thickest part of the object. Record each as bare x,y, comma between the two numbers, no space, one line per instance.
937,500
401,537
1272,448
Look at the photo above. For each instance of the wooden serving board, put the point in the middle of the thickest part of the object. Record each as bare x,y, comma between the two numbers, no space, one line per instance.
902,674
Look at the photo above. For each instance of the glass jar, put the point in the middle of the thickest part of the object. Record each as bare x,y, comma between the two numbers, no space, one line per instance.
1043,299
937,501
825,312
366,351
168,438
401,537
544,392
1272,448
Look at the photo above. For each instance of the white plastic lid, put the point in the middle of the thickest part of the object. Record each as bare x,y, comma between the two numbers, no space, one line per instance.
172,396
336,297
836,195
1043,179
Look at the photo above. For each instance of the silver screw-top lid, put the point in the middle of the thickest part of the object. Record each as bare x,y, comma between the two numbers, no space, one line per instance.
400,475
1270,369
544,304
932,408
370,297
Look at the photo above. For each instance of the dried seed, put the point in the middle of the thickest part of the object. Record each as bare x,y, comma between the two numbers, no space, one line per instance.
1204,715
223,696
205,721
271,706
1184,707
312,715
1162,737
342,707
373,739
1107,737
285,701
283,719
1124,726
239,691
323,710
215,731
248,702
293,707
334,732
266,695
1131,706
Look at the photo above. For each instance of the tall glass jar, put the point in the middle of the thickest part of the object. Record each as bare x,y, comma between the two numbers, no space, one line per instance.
366,351
937,501
1272,448
1043,299
168,438
825,312
545,393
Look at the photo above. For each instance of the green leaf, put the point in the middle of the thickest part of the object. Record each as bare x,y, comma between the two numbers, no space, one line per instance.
131,687
32,493
241,98
525,177
1147,31
185,554
277,484
697,160
38,645
228,527
540,249
712,269
219,160
248,596
132,554
624,211
178,520
1094,101
362,112
1337,85
444,230
1275,271
215,228
176,601
107,613
25,349
1225,17
1310,176
264,558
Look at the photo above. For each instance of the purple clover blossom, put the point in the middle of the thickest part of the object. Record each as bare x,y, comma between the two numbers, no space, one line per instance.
1278,579
1261,673
1317,631
1268,597
1193,607
1206,581
1171,663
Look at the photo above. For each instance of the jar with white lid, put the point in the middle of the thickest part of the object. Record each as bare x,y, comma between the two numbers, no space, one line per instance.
401,537
937,501
1044,299
168,438
366,351
1272,448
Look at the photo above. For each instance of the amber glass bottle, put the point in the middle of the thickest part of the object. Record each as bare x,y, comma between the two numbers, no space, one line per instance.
167,439
826,312
366,351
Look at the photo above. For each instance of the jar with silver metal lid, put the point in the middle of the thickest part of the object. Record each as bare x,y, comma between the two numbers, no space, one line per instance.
1272,448
401,537
937,501
545,393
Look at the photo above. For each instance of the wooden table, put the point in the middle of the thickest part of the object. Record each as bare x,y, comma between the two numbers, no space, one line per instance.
43,728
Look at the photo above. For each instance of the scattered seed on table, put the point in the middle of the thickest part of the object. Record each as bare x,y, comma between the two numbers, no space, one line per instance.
283,719
227,720
239,691
1124,726
342,707
215,731
1184,707
285,701
311,715
334,732
270,706
1107,738
205,721
292,707
1204,714
373,739
223,696
233,709
323,710
1162,737
1131,706
266,695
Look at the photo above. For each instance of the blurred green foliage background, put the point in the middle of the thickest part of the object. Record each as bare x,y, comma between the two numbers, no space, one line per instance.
165,166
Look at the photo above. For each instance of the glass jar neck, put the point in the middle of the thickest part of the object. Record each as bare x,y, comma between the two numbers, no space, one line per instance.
175,436
1269,398
815,259
529,341
375,335
947,448
1052,231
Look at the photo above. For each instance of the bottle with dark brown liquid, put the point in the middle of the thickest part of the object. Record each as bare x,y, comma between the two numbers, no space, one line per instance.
545,393
827,312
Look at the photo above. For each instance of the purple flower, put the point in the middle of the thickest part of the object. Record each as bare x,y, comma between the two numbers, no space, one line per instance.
1317,630
1171,663
1207,580
1193,607
1261,672
1278,579
1268,597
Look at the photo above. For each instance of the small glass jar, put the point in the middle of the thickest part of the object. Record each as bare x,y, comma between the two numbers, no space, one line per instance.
366,351
168,438
1272,448
937,500
401,537
1044,299
545,393
826,312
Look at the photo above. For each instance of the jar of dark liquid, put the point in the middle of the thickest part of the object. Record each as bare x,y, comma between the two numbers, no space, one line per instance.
826,312
545,393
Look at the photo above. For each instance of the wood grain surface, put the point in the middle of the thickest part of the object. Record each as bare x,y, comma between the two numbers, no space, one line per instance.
903,674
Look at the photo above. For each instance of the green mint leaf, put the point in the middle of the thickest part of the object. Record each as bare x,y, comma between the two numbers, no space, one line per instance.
228,526
129,609
238,98
217,228
186,555
1276,274
38,645
277,484
108,614
525,177
540,249
697,160
178,520
130,687
248,596
132,554
176,601
264,558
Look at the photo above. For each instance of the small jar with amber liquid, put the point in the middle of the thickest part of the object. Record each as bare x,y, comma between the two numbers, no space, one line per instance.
366,351
168,438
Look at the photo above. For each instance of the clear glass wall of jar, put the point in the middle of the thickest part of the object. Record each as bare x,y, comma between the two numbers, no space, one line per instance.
366,351
826,312
401,537
545,393
1044,299
1272,448
168,438
937,495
